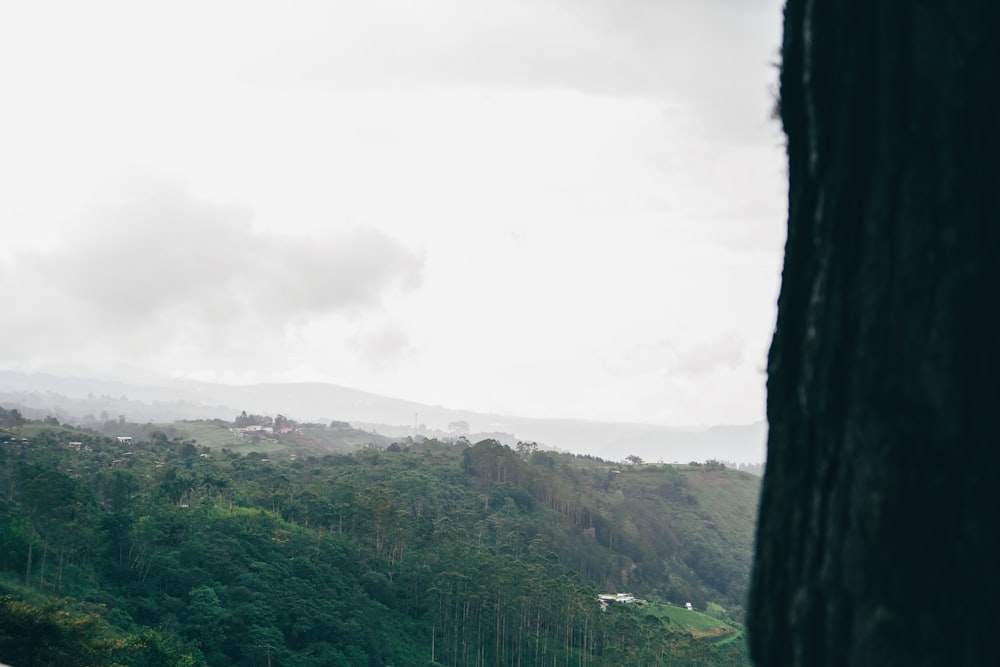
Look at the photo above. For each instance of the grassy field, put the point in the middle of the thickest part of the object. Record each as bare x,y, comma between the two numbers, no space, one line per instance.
697,624
211,435
307,439
722,490
269,448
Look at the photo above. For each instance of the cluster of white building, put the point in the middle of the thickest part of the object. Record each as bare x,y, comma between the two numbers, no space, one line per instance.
622,598
627,598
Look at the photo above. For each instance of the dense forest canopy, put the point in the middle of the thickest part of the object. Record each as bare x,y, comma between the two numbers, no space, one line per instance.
153,546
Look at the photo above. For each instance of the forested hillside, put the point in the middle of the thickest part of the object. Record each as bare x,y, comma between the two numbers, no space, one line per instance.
164,551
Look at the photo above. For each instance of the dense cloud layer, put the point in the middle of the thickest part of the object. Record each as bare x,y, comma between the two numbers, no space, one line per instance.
156,266
674,48
596,183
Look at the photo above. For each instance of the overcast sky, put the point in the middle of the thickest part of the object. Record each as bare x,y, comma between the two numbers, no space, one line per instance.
550,208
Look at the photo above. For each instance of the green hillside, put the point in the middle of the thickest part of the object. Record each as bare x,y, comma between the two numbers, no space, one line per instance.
219,434
461,554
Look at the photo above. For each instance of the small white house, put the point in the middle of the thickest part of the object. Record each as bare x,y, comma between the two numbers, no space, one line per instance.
124,439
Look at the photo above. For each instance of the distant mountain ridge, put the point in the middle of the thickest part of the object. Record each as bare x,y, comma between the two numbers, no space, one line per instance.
73,398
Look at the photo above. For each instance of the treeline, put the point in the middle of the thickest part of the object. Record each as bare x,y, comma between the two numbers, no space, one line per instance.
424,553
752,468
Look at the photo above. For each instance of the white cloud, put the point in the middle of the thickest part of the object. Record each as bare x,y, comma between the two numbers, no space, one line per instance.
159,270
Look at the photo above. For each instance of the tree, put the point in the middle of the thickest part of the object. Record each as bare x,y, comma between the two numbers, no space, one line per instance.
282,422
876,541
61,512
460,427
526,449
11,418
204,619
49,635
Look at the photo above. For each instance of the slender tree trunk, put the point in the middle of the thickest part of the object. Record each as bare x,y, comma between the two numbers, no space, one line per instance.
27,570
41,572
877,542
59,570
